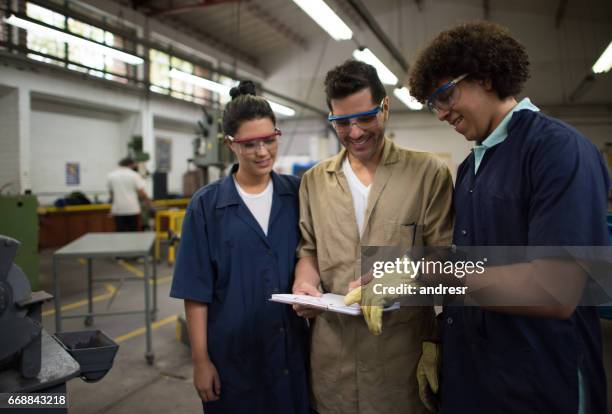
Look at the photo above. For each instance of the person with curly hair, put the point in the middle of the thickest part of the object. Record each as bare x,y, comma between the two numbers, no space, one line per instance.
531,180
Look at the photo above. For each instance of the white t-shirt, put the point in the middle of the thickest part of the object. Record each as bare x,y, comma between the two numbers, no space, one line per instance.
259,204
360,193
125,183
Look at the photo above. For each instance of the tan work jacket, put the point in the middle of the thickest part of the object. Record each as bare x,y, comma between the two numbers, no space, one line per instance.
354,371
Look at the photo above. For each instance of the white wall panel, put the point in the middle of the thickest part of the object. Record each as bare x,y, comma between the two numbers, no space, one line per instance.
61,134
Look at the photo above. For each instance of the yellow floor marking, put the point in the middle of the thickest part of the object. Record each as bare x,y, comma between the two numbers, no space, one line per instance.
131,268
140,331
110,289
162,280
139,273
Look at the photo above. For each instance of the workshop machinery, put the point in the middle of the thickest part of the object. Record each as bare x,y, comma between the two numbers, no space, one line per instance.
31,360
19,220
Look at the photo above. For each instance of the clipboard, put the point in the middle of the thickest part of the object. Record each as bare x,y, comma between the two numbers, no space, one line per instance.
328,302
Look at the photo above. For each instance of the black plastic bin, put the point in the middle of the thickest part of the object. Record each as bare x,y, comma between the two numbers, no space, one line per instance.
93,350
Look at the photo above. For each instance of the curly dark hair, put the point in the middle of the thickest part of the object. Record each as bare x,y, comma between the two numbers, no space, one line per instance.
245,106
484,50
350,77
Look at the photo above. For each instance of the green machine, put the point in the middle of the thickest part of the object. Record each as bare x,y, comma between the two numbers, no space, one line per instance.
19,220
209,149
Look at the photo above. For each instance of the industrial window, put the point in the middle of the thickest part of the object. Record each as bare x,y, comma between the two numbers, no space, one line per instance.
54,50
80,57
160,71
202,96
181,89
67,47
161,81
92,58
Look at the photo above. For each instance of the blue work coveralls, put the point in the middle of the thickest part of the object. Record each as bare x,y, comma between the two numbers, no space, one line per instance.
544,185
226,261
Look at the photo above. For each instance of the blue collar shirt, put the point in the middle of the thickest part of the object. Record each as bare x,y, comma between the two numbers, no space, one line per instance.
500,133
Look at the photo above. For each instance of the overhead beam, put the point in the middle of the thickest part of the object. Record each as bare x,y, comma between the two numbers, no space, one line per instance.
186,8
583,87
136,4
561,8
349,12
266,17
369,20
70,12
213,40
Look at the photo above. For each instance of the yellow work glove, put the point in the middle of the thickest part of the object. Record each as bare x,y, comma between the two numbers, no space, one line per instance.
372,304
372,312
427,375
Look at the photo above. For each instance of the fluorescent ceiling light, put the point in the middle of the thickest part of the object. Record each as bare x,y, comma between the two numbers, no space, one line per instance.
325,17
386,76
404,95
281,109
223,89
201,82
604,63
44,31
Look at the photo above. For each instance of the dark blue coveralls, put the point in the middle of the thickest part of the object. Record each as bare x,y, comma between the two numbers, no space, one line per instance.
226,261
545,185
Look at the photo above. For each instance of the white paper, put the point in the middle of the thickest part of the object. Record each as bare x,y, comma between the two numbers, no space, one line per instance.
328,301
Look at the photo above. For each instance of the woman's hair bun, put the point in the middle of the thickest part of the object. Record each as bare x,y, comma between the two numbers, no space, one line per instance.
244,88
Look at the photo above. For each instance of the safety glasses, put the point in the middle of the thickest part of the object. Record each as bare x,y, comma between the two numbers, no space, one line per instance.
445,96
363,120
251,145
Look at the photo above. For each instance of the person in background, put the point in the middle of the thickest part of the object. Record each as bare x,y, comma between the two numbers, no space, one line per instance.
127,190
531,180
373,193
238,247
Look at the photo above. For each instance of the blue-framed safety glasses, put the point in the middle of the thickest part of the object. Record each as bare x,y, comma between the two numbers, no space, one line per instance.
363,120
445,96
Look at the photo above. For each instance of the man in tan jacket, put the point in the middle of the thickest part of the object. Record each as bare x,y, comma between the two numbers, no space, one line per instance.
373,193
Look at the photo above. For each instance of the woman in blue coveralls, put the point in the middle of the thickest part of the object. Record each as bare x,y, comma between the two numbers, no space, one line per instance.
237,248
531,180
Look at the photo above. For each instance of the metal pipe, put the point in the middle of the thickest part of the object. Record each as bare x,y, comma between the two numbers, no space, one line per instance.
367,17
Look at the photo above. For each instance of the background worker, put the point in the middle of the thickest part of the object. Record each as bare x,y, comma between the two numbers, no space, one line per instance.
127,190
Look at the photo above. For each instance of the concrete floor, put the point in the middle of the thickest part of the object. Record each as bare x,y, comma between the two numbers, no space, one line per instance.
132,386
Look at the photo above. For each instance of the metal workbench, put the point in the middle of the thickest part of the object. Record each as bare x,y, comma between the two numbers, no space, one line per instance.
110,245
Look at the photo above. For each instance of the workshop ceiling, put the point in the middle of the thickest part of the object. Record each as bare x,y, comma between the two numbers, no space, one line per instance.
249,30
563,37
